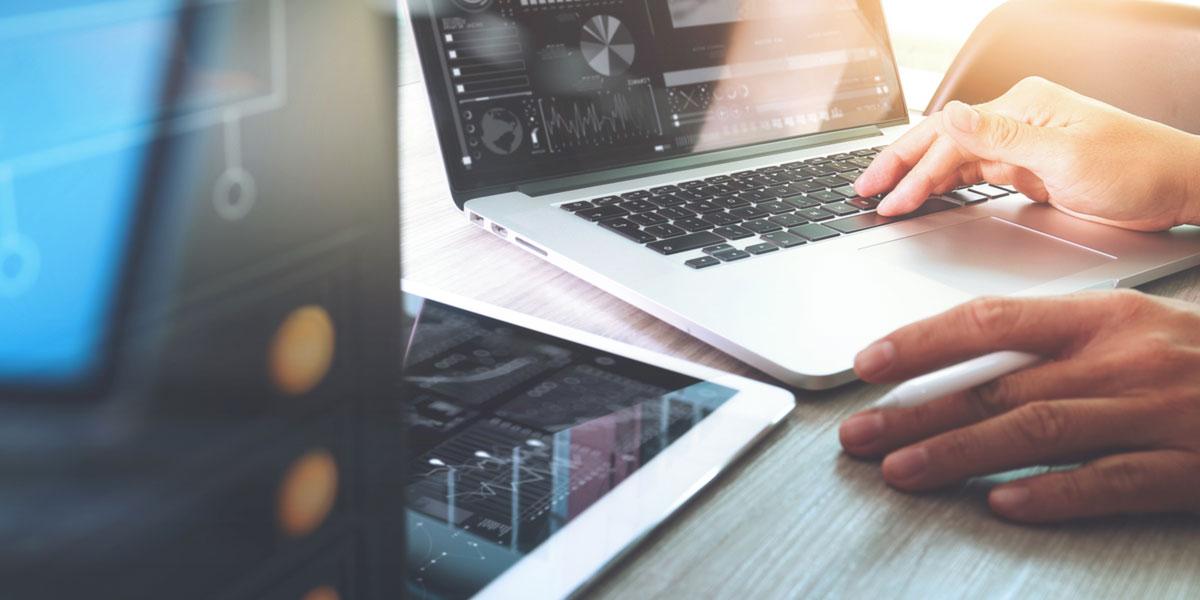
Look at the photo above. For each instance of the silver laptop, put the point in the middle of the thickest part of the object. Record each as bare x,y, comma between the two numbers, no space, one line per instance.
694,158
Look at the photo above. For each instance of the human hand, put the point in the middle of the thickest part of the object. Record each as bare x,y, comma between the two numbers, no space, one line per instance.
1084,157
1119,389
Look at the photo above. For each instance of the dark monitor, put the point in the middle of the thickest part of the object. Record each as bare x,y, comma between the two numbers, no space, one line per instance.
199,300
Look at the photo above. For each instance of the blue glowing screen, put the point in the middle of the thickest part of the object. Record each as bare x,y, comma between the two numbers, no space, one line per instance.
83,82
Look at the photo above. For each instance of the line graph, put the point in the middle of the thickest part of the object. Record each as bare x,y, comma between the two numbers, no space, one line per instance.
605,118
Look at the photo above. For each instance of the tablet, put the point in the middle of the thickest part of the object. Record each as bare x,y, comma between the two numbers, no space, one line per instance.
539,454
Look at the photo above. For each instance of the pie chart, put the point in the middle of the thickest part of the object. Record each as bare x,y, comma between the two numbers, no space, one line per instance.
607,45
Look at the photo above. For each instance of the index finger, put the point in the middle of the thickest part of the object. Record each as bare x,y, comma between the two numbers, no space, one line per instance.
893,162
1043,326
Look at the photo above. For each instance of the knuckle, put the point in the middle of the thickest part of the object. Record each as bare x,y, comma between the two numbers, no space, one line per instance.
1033,83
1159,350
995,397
1123,478
1003,133
989,315
1071,490
1127,303
1041,424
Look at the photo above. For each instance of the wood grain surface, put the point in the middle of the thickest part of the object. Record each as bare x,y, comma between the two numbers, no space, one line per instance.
796,518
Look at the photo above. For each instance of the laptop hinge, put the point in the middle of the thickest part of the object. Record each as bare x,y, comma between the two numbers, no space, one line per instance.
572,182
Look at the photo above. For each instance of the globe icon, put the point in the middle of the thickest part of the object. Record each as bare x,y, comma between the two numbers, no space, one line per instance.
501,131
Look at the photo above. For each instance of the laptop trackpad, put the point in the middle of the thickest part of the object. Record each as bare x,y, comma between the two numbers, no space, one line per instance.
988,256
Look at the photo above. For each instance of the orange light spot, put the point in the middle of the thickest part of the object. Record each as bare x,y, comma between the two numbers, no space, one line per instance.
307,493
302,350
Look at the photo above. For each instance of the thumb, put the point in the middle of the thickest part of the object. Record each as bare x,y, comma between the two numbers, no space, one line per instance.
996,137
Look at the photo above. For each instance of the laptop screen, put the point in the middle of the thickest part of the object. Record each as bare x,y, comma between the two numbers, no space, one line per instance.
534,89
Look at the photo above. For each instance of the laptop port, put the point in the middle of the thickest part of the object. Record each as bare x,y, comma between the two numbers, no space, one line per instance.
500,231
476,219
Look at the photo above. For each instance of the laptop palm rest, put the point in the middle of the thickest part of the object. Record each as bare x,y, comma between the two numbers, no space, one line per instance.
988,256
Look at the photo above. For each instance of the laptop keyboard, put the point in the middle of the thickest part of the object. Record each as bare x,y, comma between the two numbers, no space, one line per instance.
749,213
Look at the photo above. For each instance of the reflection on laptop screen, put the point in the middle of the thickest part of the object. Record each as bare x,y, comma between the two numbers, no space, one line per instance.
70,170
537,89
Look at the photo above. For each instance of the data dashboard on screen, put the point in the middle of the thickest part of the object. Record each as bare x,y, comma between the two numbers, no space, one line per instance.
545,88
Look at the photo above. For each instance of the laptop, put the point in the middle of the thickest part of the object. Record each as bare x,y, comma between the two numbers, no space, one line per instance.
695,158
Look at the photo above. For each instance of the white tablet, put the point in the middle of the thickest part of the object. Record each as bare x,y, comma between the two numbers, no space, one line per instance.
539,454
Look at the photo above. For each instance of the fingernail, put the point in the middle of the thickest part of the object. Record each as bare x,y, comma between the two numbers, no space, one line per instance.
862,430
1009,498
906,464
875,359
963,117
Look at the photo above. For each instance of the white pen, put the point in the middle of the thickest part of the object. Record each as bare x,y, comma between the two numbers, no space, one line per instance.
966,375
956,378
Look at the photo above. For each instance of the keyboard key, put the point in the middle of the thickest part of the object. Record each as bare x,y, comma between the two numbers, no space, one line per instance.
776,207
849,176
703,262
840,209
864,152
663,232
718,179
638,206
721,219
702,207
761,226
637,195
666,200
733,232
761,248
990,191
694,194
675,212
788,220
648,219
1008,188
730,201
861,222
843,167
693,224
784,239
732,255
756,196
826,196
808,187
748,212
801,202
813,232
628,229
864,203
695,183
608,201
718,248
862,162
869,220
847,191
663,189
577,206
601,213
815,214
966,196
684,243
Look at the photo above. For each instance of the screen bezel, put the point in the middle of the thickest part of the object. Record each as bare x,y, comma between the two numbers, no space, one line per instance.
574,556
461,190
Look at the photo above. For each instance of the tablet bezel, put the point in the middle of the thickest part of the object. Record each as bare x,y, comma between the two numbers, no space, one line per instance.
582,550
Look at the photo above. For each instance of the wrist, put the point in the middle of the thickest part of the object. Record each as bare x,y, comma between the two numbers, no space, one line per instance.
1190,214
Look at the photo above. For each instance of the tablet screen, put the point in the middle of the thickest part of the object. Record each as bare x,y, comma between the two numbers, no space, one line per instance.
514,433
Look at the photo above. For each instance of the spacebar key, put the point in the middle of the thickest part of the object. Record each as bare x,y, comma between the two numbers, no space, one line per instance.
686,242
872,219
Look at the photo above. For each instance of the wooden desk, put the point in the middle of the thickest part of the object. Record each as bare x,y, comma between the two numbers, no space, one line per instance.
797,518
